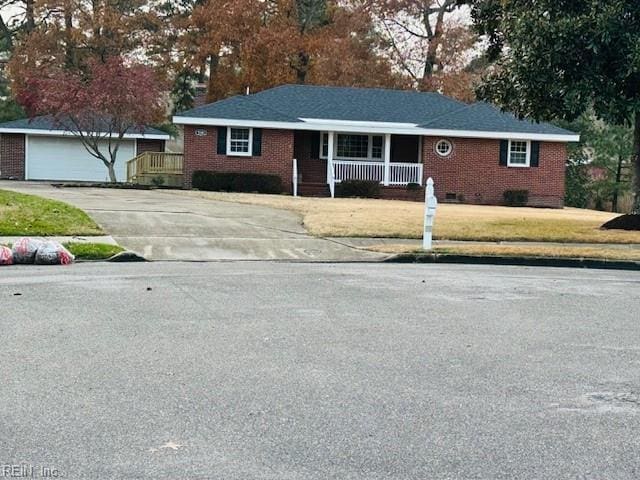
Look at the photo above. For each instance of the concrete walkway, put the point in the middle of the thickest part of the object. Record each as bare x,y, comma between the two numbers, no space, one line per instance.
106,239
165,226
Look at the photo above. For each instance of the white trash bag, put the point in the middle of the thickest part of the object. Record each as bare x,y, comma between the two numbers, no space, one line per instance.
24,249
53,253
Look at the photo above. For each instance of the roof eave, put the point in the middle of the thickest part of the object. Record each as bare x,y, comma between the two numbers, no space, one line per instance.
232,122
372,127
66,133
542,137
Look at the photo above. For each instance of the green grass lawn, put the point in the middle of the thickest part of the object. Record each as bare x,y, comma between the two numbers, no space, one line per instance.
22,214
93,251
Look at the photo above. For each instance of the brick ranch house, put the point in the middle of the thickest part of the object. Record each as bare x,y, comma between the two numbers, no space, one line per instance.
41,149
473,152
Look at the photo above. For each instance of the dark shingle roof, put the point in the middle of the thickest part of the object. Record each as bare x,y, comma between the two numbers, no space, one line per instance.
47,123
291,103
487,118
240,108
359,104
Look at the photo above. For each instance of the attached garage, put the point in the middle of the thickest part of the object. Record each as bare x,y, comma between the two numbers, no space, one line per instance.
64,158
37,150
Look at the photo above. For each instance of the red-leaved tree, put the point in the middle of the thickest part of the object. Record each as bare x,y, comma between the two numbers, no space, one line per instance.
99,105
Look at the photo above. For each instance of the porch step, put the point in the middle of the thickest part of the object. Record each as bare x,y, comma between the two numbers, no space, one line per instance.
313,189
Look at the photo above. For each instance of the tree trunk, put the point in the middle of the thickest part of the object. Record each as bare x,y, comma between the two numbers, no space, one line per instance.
70,48
212,91
302,68
202,72
8,35
434,39
97,31
426,83
636,165
616,189
112,172
30,20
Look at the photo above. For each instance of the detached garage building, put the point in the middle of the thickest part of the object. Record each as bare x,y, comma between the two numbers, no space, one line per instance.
38,149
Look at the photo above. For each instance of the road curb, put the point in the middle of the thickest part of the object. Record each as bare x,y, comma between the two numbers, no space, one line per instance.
516,261
126,256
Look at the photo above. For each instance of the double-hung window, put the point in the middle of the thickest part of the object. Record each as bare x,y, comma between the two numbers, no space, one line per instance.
239,141
324,146
377,146
519,153
350,146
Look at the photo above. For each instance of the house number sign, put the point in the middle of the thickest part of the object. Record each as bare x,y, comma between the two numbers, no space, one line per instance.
201,132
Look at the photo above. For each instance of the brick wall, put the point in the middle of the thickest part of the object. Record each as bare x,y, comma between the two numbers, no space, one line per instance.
473,171
148,145
400,192
276,159
12,156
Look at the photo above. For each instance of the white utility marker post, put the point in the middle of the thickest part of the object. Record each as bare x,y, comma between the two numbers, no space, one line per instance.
430,204
295,177
387,160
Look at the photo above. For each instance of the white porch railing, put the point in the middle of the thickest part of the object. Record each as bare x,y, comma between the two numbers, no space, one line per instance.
399,173
405,173
354,170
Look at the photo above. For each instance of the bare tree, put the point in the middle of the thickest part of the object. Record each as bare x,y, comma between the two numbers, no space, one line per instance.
414,31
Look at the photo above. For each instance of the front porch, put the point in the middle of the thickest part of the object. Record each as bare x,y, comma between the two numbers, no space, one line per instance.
327,158
156,168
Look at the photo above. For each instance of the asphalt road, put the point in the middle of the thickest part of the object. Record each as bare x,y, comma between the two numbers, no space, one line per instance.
320,371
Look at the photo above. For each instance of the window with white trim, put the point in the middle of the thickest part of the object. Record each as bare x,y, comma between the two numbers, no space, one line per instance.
444,147
239,141
324,147
350,146
519,153
377,146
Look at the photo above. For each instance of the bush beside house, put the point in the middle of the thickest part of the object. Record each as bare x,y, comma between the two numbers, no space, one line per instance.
236,182
358,188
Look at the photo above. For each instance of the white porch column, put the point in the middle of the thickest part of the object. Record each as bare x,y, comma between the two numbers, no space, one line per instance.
329,155
387,159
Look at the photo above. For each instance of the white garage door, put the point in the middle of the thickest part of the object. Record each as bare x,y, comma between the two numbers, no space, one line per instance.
63,158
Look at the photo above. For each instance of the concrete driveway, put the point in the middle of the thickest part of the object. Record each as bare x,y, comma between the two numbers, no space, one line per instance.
163,225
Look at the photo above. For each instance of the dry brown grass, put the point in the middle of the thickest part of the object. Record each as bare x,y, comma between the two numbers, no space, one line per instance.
521,251
352,217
